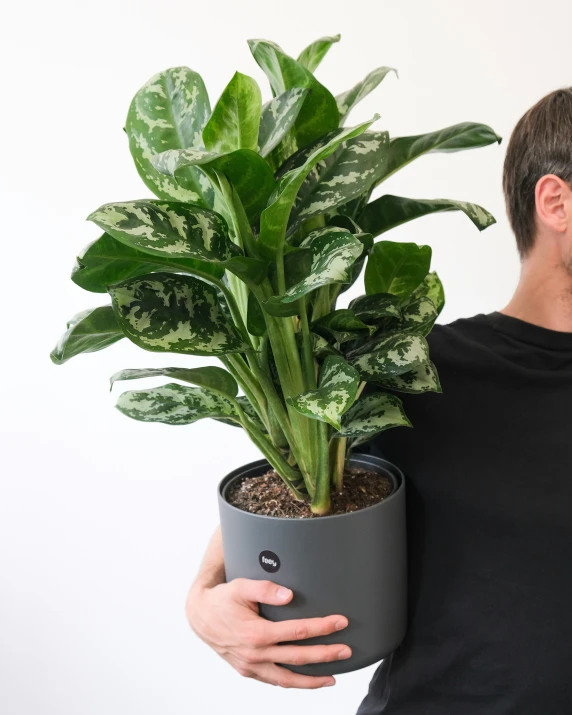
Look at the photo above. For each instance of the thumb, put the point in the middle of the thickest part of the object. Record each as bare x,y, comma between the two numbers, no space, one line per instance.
252,591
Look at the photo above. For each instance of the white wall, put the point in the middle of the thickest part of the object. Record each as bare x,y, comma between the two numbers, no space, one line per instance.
103,520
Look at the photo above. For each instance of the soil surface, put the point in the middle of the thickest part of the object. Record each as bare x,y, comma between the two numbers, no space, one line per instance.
269,496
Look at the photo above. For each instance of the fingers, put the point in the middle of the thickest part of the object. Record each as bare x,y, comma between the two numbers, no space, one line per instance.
302,655
283,678
297,630
251,591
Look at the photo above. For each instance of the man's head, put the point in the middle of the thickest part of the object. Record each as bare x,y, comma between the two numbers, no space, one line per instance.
537,176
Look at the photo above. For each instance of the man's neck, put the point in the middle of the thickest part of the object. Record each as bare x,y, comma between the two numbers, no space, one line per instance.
544,294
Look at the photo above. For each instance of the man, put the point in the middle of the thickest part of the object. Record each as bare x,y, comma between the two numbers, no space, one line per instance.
489,468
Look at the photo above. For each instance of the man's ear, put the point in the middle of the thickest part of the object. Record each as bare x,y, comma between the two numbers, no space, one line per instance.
553,203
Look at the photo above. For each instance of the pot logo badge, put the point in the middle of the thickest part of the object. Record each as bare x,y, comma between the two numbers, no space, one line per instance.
269,561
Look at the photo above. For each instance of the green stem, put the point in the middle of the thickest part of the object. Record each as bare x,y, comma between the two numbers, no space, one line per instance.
338,461
307,352
321,498
239,370
289,475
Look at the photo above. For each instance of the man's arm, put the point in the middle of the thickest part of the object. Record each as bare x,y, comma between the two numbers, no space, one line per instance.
225,616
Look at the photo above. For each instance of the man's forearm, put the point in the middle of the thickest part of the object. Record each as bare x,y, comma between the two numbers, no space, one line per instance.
211,572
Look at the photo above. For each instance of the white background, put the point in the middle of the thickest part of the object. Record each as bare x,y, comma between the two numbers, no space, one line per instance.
103,521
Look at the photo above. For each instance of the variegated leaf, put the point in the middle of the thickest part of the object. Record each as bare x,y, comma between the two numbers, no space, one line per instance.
247,171
167,229
87,332
174,404
419,316
311,56
170,112
320,346
396,268
433,289
274,218
166,312
236,117
342,325
278,117
466,135
334,250
389,355
211,378
423,378
389,211
348,100
319,113
337,390
342,176
107,261
371,415
376,307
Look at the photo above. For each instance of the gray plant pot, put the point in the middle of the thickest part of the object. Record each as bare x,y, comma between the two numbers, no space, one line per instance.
351,564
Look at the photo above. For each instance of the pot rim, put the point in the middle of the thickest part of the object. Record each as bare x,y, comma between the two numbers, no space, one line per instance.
389,468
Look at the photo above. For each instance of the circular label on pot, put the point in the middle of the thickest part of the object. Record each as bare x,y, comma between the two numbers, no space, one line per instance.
269,561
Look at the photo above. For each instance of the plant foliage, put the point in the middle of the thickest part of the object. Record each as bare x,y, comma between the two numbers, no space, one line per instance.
262,218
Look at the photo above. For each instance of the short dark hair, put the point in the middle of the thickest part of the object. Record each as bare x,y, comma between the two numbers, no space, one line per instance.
540,144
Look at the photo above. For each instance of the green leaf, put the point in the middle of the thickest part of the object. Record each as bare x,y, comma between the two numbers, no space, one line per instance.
422,378
170,112
87,332
371,415
212,378
341,177
278,117
319,113
255,323
342,325
311,56
389,355
376,307
388,211
337,390
174,404
396,268
235,119
246,170
419,316
166,312
250,270
167,229
107,261
431,288
466,135
334,250
348,100
274,218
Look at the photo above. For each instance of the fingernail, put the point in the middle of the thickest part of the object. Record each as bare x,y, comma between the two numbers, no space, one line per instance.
283,593
341,624
344,653
329,683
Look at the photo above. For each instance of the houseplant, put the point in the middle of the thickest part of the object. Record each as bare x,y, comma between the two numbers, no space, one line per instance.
263,218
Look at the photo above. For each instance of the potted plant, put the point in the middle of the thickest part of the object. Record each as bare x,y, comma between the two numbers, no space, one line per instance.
262,219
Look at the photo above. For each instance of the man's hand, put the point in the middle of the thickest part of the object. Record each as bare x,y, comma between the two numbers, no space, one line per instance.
225,616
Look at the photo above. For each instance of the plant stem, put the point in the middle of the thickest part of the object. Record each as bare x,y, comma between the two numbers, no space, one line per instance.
338,461
321,498
289,475
239,370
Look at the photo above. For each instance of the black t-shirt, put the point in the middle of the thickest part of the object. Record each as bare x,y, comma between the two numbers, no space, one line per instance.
489,499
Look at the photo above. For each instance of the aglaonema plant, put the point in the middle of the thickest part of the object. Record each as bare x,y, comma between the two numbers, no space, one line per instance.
262,218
